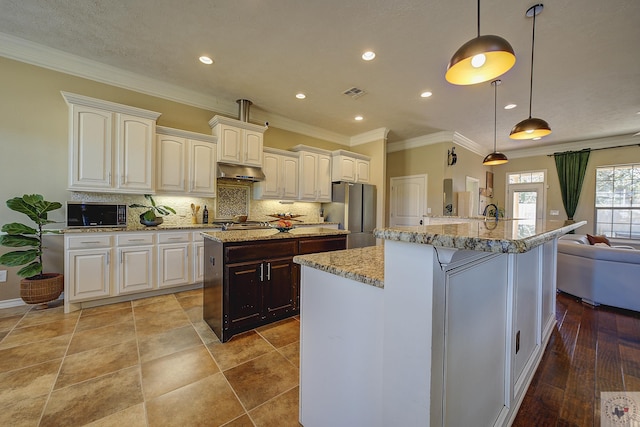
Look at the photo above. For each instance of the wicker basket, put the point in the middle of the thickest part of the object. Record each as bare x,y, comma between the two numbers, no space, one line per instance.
38,291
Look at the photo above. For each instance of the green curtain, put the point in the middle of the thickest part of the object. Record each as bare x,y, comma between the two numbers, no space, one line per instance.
571,167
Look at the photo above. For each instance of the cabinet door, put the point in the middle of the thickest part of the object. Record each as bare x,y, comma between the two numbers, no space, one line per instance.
135,153
252,142
270,187
89,274
308,174
280,290
229,144
91,148
362,171
202,168
173,264
171,162
324,179
198,262
244,288
135,269
344,169
289,171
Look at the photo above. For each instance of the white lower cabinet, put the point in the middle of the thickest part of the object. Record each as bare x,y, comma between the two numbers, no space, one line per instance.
173,258
135,254
87,267
115,266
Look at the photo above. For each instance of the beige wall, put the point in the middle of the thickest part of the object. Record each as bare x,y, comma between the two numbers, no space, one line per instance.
376,150
585,210
34,139
432,160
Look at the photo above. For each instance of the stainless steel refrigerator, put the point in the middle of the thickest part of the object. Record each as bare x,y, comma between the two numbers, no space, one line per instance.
354,208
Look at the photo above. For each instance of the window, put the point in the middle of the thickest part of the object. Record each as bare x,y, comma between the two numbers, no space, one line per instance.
618,201
526,177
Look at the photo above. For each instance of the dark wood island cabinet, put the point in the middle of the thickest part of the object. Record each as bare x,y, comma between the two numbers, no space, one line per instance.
250,278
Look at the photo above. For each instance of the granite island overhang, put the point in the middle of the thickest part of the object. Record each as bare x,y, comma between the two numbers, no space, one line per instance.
458,318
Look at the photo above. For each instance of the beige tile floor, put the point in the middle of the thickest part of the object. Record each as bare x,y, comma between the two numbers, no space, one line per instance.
150,362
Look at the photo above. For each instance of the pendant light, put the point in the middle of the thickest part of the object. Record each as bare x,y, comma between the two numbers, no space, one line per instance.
495,158
480,59
531,128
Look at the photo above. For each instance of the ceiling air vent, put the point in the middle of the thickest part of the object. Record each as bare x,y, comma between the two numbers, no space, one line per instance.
354,92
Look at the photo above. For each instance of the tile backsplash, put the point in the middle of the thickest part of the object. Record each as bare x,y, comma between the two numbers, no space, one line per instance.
232,199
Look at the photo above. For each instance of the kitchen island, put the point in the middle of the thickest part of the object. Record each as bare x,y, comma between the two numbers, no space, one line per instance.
449,333
250,278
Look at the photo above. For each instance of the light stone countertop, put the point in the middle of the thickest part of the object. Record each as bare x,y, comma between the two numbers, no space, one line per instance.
270,234
364,265
140,227
503,236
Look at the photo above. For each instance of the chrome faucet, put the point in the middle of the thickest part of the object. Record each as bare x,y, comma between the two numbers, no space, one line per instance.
486,208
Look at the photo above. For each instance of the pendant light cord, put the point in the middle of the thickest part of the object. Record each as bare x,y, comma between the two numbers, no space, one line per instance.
495,113
533,44
478,18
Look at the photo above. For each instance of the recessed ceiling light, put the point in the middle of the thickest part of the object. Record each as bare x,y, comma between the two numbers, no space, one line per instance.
301,95
510,106
358,118
206,60
368,55
426,94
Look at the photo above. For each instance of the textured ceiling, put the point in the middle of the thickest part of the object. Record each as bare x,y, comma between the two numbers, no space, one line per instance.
586,74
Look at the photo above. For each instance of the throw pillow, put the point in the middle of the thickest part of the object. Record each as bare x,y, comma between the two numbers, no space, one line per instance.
598,239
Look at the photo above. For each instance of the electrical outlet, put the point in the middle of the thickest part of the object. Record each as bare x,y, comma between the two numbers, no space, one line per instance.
554,212
428,210
3,275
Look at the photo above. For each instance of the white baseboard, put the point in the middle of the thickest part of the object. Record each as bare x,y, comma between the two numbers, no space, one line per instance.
7,303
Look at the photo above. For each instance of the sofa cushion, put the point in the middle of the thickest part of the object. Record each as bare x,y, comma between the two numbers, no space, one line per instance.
598,239
599,252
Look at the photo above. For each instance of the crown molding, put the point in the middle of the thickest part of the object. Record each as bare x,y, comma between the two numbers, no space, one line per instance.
163,130
371,136
74,99
611,141
437,138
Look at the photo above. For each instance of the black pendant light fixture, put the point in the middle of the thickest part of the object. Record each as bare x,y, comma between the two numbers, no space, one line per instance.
531,128
480,59
495,158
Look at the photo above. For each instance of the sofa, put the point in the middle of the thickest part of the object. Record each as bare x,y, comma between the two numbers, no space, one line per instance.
599,274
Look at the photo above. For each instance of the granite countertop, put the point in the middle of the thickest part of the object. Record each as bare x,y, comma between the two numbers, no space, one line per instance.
269,234
364,265
163,227
503,236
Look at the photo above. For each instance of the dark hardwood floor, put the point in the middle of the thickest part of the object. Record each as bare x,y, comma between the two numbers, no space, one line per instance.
591,350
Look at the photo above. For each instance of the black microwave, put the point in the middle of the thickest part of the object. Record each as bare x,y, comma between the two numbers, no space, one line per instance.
96,214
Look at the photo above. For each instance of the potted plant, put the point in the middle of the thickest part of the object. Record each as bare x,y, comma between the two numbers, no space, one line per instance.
36,287
152,216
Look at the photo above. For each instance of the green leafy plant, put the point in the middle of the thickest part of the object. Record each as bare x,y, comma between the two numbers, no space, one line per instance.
154,209
21,235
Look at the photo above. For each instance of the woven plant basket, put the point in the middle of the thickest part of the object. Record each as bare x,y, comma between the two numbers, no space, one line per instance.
38,291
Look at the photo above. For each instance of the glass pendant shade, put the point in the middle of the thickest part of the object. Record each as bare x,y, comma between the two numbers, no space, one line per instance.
480,60
530,128
495,158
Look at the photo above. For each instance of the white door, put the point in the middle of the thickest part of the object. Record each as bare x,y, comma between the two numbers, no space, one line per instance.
408,200
173,264
525,202
135,269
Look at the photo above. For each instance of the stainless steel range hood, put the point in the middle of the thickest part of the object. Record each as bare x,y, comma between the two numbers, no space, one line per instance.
240,172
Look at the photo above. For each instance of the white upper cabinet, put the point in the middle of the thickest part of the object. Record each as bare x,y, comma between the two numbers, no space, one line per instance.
238,142
314,173
111,146
280,168
350,167
185,162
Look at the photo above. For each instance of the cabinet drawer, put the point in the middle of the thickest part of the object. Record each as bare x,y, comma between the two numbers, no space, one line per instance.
88,241
260,251
174,237
310,246
134,239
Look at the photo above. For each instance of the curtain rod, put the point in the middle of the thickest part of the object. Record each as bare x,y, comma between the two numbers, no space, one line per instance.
595,149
